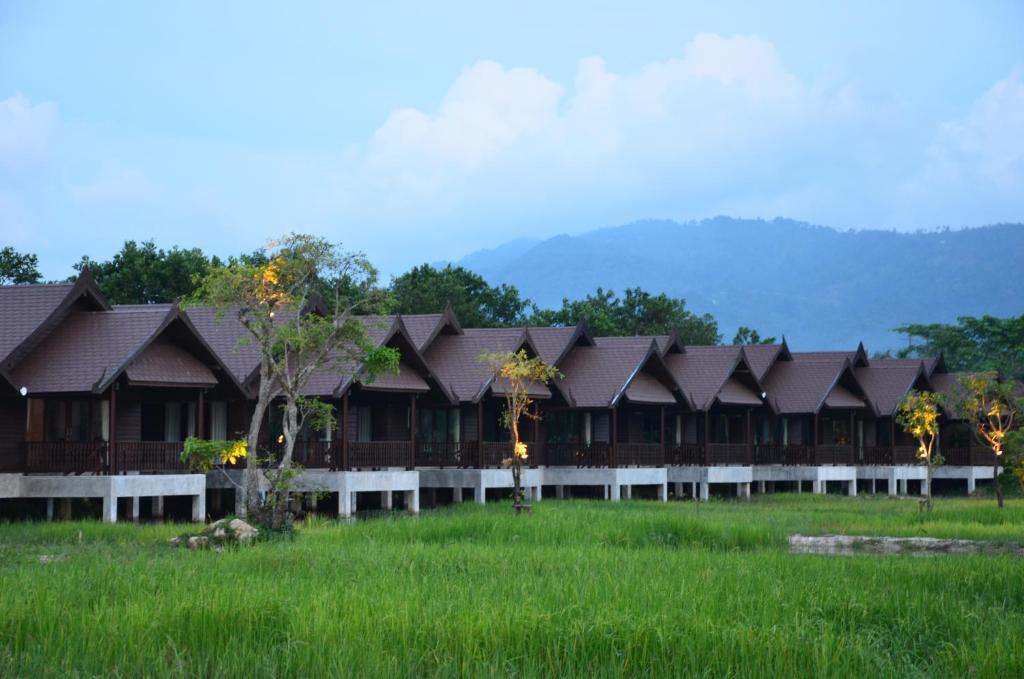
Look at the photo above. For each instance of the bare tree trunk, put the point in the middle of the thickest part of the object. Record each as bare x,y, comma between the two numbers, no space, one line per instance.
251,477
995,481
928,495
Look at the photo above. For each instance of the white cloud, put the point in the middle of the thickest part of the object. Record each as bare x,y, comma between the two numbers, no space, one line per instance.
115,185
990,139
973,170
26,131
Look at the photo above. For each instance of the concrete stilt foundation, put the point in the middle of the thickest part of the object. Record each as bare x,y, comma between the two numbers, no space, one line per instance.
136,508
851,487
157,505
762,487
49,509
386,500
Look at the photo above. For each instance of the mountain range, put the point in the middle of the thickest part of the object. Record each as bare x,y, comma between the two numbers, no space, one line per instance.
821,288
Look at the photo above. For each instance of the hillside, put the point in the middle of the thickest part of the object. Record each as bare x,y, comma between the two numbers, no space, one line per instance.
821,287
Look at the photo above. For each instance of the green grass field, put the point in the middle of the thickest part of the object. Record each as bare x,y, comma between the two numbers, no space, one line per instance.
579,588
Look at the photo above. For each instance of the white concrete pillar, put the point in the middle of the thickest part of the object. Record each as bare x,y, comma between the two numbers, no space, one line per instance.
694,490
851,487
135,508
310,500
386,500
538,492
49,509
762,487
109,512
627,492
412,501
199,507
799,487
902,485
924,487
480,494
874,485
970,484
663,491
616,492
456,494
560,492
344,504
156,506
607,492
677,488
743,490
241,504
705,491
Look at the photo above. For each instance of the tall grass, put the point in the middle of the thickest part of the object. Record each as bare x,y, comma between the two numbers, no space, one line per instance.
578,588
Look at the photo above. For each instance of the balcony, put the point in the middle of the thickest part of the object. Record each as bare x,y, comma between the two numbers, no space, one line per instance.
68,457
577,454
639,455
833,454
788,454
729,453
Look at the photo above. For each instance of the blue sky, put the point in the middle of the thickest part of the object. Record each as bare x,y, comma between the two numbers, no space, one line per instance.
419,132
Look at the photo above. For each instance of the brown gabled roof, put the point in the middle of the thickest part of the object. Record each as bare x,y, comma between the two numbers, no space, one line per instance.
804,385
763,356
29,312
707,374
455,359
554,344
599,376
424,328
858,357
886,381
414,375
228,338
164,363
90,349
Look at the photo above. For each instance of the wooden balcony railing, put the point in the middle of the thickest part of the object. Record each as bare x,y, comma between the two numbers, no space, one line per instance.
148,456
788,454
968,455
576,454
685,455
729,453
447,454
639,455
379,454
833,454
66,457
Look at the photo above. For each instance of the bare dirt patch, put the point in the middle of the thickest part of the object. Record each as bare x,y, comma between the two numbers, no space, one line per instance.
842,545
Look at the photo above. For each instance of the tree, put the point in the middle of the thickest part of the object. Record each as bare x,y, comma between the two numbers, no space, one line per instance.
18,268
745,335
145,274
276,301
518,371
918,414
990,408
637,313
972,345
1013,444
426,290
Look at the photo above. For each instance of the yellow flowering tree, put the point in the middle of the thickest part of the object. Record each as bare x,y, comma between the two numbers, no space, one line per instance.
298,301
514,373
918,414
990,407
202,455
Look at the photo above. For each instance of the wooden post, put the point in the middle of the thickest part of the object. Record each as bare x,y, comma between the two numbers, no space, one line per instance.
750,440
344,432
412,431
661,432
480,433
853,442
815,448
614,437
707,436
200,418
112,444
